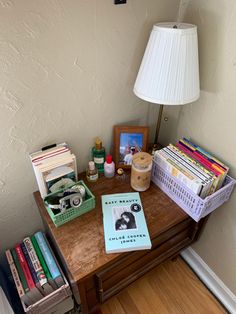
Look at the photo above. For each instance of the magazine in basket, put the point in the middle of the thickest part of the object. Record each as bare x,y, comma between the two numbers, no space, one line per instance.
124,223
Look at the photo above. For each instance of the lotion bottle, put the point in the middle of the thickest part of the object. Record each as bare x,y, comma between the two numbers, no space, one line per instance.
92,172
109,167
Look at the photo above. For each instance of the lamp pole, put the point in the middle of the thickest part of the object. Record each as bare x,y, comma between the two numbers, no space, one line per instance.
158,124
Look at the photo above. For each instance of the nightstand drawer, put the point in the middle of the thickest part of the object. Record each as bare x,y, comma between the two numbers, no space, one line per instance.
130,257
112,279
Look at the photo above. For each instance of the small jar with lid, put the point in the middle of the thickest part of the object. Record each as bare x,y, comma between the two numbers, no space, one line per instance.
141,171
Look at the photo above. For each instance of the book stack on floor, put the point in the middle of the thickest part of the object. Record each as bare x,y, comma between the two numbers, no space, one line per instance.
54,167
200,171
35,272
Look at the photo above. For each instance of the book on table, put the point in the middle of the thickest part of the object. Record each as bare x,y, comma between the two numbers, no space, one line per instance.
125,227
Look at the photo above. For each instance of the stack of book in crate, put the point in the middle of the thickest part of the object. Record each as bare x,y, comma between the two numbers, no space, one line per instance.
201,172
192,177
54,167
34,269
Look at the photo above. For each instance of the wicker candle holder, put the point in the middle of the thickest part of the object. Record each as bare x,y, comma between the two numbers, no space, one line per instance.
141,171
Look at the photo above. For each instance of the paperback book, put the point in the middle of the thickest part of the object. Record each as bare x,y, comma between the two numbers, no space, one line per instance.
210,162
17,280
43,263
25,267
125,227
48,256
43,284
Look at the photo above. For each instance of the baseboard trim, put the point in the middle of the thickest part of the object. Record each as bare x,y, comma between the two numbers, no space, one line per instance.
210,279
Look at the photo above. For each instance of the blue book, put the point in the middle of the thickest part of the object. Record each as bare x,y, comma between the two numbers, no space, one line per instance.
49,259
124,223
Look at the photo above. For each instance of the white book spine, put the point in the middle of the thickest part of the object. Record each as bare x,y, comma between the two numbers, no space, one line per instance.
195,164
45,152
189,162
205,181
41,183
53,156
176,171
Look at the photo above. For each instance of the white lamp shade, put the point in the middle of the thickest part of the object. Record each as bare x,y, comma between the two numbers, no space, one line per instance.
169,72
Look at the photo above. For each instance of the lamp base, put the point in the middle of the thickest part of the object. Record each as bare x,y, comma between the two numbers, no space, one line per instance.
153,147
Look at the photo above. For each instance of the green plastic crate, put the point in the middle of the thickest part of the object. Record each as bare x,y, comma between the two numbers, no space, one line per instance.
71,213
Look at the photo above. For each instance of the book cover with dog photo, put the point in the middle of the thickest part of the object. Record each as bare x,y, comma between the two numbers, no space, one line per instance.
125,227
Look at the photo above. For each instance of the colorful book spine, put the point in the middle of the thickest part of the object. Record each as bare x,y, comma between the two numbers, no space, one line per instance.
207,159
192,161
195,156
219,173
203,159
204,153
15,274
29,262
35,261
24,266
52,266
41,258
20,271
207,175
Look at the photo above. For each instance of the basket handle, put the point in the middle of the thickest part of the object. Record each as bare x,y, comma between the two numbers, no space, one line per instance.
48,146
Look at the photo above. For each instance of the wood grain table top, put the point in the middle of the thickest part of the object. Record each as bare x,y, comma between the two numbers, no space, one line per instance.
81,241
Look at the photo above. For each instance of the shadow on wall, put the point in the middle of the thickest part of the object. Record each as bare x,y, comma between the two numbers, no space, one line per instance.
210,43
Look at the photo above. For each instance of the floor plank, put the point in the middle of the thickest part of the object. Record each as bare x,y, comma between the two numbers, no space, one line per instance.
172,287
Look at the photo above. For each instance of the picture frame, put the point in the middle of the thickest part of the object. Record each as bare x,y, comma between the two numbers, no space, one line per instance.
129,140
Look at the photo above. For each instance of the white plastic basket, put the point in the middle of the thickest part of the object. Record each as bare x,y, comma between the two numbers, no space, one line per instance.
192,204
48,303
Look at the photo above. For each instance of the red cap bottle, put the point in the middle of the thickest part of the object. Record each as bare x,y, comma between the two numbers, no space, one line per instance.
109,159
109,167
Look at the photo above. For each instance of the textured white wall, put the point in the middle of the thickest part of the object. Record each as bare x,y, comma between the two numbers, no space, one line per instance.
211,122
67,70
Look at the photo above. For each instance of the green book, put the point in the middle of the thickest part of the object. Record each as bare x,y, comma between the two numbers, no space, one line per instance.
41,258
20,271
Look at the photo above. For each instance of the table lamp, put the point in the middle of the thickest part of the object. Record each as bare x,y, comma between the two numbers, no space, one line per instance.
169,72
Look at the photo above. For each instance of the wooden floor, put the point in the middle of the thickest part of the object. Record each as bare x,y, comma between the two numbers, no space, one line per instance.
170,288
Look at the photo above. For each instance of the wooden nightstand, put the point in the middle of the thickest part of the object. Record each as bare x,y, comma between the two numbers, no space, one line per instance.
80,243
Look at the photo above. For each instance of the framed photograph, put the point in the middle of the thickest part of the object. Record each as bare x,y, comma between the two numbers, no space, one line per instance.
129,140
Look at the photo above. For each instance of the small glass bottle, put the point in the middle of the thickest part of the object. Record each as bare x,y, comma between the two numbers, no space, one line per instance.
98,155
109,167
92,172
